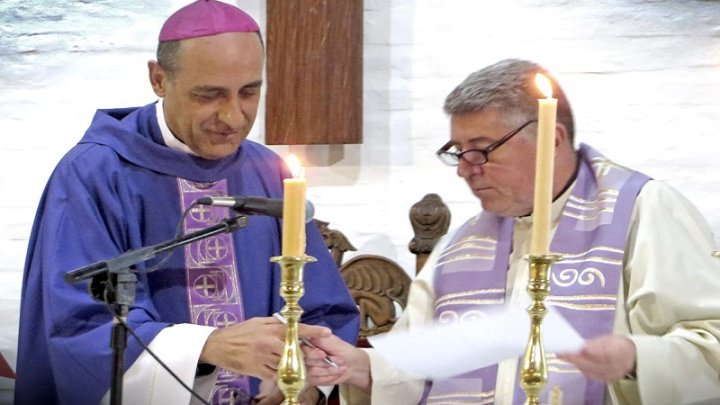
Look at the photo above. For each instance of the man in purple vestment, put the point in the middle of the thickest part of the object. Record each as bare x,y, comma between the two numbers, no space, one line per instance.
206,310
637,279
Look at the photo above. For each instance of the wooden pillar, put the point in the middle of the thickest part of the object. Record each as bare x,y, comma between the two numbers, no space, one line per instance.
314,72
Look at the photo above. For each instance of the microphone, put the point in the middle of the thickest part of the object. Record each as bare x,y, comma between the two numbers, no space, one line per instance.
272,207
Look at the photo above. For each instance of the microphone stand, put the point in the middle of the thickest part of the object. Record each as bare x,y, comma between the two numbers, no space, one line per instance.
113,280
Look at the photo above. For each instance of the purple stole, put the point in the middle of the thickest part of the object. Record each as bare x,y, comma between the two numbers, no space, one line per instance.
213,287
471,277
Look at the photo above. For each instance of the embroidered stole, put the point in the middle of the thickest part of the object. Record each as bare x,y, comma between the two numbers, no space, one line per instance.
213,287
471,277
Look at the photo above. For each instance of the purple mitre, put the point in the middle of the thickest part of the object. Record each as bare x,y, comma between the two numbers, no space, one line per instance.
206,17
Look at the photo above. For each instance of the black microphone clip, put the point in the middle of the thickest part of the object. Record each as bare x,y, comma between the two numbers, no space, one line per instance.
255,205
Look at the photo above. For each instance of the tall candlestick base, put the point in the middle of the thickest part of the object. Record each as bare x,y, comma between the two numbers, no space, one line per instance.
291,370
533,372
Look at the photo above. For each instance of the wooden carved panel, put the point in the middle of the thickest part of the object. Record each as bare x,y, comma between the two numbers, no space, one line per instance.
377,285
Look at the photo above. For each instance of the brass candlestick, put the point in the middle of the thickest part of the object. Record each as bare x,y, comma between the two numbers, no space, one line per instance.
533,373
291,370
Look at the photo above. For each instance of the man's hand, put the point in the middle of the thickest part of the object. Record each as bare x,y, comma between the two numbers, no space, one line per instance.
353,363
606,358
253,347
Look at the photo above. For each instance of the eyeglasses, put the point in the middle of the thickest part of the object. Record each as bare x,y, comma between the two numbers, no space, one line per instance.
475,156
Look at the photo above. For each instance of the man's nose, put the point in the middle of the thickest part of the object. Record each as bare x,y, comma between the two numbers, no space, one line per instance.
230,113
466,169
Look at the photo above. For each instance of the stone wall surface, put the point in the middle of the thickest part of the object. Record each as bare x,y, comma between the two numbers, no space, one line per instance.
642,76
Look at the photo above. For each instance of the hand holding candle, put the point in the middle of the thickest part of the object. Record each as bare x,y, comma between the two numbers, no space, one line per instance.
293,234
544,164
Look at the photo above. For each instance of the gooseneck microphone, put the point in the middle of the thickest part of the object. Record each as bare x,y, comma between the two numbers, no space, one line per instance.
272,207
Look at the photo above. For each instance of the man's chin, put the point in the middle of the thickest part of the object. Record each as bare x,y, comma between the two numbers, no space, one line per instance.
487,206
506,211
496,209
215,154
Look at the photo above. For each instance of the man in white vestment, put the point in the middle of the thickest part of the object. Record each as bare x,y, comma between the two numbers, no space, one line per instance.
637,281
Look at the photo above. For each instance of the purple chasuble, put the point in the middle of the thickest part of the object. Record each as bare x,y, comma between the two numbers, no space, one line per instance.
471,277
214,294
118,190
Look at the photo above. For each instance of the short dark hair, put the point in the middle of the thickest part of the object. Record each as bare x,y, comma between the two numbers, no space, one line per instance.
508,85
168,54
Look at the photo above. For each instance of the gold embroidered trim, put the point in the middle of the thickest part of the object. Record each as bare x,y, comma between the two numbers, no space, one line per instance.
589,297
587,217
472,292
469,301
586,307
466,257
590,205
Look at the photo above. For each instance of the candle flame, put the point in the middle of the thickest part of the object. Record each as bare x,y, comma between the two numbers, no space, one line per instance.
296,168
543,83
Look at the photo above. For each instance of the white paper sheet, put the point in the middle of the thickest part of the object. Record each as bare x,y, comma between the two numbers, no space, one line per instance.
443,351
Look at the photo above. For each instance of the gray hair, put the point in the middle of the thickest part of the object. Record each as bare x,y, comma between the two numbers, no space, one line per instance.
508,86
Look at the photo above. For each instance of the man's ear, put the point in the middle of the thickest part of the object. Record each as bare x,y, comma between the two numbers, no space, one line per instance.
158,78
562,137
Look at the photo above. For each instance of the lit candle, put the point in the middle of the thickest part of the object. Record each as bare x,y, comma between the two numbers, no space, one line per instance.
544,163
293,235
